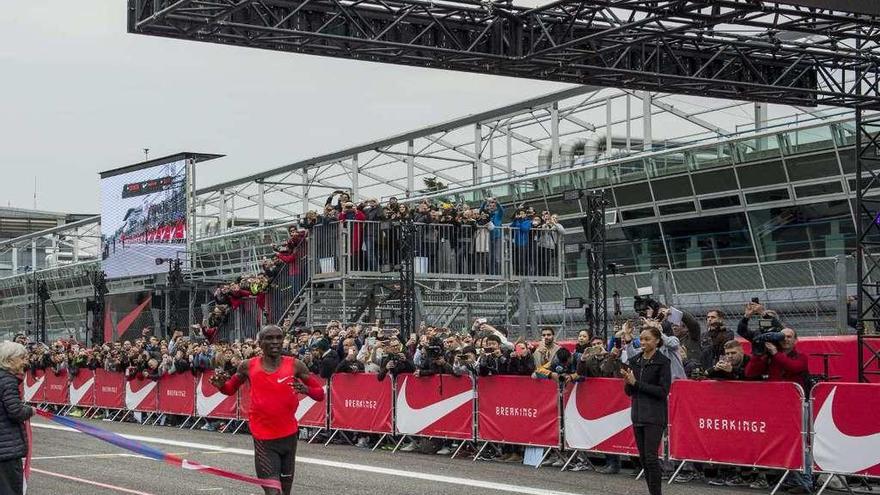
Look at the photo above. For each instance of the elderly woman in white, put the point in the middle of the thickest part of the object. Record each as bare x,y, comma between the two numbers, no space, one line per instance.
13,414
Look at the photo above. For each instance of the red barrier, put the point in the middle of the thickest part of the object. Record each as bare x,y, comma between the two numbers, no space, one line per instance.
33,386
81,389
141,395
439,406
360,402
846,433
177,394
311,412
518,410
55,387
597,417
745,423
109,389
210,403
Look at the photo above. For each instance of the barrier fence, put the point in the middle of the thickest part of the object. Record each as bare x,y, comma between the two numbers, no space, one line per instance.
756,424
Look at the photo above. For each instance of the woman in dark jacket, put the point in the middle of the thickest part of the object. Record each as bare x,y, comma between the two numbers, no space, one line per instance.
13,414
648,377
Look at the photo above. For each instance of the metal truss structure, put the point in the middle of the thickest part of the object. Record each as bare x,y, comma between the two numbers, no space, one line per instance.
742,49
597,289
868,245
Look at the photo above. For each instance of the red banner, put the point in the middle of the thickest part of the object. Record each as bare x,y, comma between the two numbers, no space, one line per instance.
210,403
435,406
311,412
140,395
519,410
82,388
177,394
846,433
109,389
360,402
745,423
55,387
597,417
33,386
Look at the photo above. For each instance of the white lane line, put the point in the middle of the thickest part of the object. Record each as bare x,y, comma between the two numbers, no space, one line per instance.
83,456
208,489
525,490
89,482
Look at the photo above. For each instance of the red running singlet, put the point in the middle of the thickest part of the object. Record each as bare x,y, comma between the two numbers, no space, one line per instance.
273,400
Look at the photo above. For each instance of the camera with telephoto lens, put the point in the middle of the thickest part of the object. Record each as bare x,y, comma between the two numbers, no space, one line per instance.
434,349
769,330
641,304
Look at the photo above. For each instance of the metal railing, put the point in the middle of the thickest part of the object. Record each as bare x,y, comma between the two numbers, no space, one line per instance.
369,248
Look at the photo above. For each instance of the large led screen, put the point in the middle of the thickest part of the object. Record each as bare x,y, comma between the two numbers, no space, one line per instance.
143,218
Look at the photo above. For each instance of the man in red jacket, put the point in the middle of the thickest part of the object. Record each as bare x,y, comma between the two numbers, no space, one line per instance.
780,364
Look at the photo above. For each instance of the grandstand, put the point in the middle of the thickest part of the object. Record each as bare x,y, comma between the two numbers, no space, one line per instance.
712,203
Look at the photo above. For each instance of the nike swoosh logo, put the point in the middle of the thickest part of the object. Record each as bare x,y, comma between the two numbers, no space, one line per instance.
76,394
205,404
412,421
282,380
31,390
582,433
835,451
305,404
133,399
192,466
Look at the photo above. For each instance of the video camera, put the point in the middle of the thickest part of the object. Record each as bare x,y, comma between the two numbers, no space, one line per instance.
434,349
643,301
769,330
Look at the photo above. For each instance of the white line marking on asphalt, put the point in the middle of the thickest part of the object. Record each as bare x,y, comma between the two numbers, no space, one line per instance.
83,456
89,482
208,489
526,490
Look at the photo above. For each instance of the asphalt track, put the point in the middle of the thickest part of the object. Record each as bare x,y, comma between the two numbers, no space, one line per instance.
70,463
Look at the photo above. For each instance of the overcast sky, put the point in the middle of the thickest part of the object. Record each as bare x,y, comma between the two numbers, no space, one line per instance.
80,95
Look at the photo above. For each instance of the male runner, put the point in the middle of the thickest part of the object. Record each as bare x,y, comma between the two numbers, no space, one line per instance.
275,381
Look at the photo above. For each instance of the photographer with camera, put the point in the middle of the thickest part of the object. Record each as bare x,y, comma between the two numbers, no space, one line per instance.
394,360
433,360
774,348
493,361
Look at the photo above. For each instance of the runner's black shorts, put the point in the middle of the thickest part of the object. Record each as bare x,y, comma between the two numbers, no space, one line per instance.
275,458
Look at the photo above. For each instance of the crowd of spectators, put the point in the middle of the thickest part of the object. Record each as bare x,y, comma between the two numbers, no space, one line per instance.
449,238
697,351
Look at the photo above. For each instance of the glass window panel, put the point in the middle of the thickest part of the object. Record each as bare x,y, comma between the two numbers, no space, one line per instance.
709,241
677,208
805,140
767,196
818,189
633,194
751,150
628,171
637,213
761,174
562,207
638,248
711,156
813,166
667,164
673,187
722,202
803,231
597,177
848,160
712,182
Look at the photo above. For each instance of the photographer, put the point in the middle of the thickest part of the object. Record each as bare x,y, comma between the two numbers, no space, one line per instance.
561,368
779,361
521,361
394,360
349,363
493,361
731,365
597,362
465,362
433,360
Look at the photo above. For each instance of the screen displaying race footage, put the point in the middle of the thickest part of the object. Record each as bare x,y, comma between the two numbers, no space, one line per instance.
143,218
